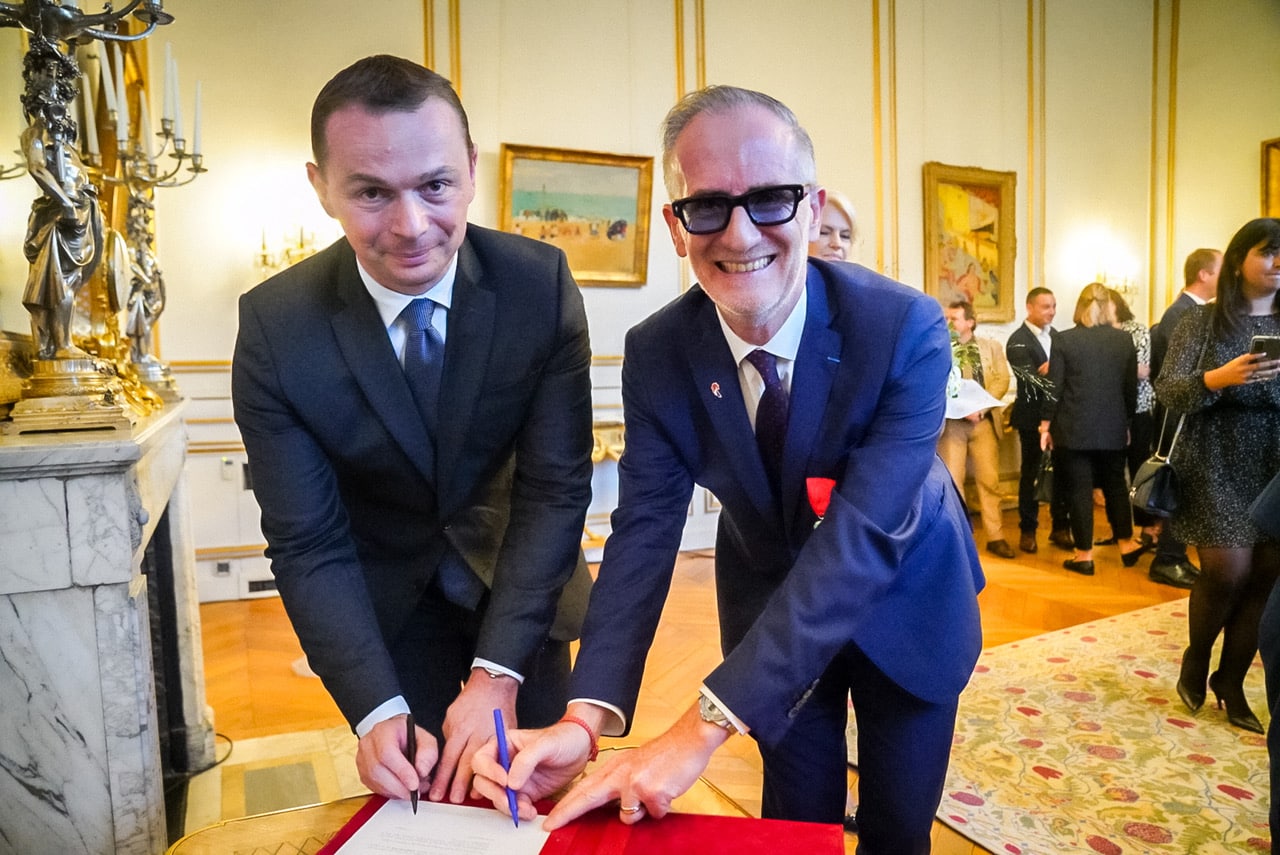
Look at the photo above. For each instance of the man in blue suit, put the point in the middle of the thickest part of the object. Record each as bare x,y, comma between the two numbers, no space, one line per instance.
877,598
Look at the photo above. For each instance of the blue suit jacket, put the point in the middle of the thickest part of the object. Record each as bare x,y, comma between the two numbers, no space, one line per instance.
356,515
892,567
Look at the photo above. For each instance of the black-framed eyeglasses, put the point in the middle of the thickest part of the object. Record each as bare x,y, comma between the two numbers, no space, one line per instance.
766,206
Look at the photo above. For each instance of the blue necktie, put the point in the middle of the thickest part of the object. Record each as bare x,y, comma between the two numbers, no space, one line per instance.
423,361
771,416
423,358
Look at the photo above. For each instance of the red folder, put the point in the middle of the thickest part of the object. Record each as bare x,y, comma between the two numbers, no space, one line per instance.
602,833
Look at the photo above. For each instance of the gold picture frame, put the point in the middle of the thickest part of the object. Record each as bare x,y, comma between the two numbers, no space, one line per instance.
593,205
1271,178
970,241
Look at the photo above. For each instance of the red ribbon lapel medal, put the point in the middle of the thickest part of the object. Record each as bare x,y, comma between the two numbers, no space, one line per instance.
819,490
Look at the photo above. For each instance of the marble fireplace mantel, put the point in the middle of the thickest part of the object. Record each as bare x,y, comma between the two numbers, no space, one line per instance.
80,770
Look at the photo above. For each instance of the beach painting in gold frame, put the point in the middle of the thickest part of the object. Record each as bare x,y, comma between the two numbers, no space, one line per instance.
969,238
593,205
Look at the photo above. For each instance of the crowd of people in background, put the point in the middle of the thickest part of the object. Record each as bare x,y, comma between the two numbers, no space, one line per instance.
1104,395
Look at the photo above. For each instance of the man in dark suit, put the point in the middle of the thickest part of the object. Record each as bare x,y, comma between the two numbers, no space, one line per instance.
840,374
1171,564
1028,351
422,521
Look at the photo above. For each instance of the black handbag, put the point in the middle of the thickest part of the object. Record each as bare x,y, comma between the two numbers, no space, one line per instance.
1044,479
1155,484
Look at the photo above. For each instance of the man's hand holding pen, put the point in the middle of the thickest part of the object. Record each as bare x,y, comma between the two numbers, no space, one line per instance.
382,758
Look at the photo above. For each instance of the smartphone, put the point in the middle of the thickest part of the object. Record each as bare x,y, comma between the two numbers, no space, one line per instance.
1268,344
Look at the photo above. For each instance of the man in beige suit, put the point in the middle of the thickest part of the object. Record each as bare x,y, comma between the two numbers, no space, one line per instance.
976,437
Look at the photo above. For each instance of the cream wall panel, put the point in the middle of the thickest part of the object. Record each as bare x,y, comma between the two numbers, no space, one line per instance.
1228,103
1097,151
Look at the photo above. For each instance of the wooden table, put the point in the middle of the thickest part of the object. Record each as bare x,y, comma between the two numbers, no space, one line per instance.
304,830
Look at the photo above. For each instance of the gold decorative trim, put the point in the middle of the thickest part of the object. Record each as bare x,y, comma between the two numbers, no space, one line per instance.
222,421
1043,120
606,359
429,33
679,9
1153,185
877,142
1170,149
200,366
700,42
215,448
455,45
1036,138
1031,144
215,553
896,258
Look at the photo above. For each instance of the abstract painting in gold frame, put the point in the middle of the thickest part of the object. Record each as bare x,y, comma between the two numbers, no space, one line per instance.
1271,178
593,205
969,238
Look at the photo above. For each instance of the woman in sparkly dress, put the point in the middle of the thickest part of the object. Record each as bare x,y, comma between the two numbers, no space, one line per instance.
1228,451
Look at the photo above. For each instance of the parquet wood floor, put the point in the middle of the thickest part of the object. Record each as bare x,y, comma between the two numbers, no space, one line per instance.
249,649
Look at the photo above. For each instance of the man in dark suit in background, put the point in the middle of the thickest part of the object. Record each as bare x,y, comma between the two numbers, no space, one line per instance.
1028,351
1171,564
778,383
415,404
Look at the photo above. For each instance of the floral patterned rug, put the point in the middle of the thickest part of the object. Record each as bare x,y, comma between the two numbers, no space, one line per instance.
1076,742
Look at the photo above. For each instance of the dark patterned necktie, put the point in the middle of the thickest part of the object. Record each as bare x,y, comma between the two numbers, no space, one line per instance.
771,416
423,361
423,358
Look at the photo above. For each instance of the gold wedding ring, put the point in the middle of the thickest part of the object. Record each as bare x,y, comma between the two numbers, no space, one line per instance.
630,808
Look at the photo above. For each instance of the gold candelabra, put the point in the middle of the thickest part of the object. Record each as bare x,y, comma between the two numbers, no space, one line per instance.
66,239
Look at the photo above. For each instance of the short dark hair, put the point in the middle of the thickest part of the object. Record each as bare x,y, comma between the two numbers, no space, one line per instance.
966,307
1198,261
381,84
1229,309
1037,292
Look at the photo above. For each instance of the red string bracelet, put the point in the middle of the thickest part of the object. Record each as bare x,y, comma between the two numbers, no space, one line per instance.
595,745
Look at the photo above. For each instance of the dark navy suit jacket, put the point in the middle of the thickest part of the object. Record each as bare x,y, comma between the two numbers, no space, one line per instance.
356,514
891,568
1024,352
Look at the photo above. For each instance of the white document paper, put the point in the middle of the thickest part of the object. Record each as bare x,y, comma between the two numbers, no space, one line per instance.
968,399
443,829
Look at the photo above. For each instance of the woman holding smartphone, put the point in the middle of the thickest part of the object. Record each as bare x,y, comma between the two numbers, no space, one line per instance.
1228,451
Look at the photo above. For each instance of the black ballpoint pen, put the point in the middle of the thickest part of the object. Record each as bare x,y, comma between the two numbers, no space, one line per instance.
411,752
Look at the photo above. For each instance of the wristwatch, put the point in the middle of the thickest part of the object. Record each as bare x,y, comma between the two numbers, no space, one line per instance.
712,714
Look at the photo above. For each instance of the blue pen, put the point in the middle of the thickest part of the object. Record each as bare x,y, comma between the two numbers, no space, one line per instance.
504,755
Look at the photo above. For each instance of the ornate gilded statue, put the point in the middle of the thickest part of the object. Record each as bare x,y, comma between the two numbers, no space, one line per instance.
64,231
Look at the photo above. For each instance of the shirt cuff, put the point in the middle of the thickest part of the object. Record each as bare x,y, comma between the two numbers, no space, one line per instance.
737,723
615,725
494,666
383,711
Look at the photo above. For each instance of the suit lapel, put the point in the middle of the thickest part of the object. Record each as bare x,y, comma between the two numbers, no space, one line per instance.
466,358
815,370
362,338
715,378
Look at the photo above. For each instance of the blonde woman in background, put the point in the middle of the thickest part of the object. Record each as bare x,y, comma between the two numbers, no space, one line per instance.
1095,372
839,229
